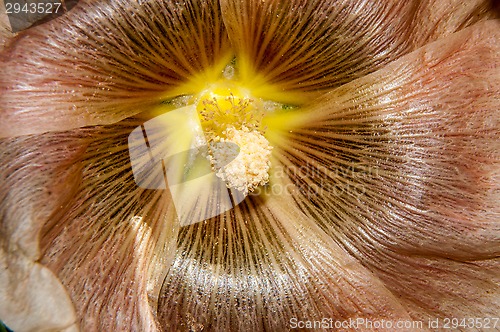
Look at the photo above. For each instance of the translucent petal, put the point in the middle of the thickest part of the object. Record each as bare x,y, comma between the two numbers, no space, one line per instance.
103,62
300,47
407,161
38,174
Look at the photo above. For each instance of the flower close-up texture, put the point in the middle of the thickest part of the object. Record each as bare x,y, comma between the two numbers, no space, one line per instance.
357,144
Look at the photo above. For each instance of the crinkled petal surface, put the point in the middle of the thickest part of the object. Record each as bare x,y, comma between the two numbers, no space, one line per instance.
407,162
105,61
434,19
32,297
384,191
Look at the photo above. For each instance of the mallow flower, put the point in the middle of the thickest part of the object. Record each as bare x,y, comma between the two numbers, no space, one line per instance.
357,143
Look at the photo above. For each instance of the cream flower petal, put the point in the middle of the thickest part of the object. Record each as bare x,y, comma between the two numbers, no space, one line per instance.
435,19
259,266
305,46
5,30
31,296
407,162
111,245
105,61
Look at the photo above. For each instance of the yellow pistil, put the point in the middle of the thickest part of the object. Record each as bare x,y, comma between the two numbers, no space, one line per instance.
230,118
224,105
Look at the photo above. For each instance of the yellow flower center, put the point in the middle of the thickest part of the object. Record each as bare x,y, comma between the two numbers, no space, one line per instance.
229,114
234,124
225,105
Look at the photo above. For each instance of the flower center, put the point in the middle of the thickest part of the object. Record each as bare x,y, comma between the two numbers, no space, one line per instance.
230,118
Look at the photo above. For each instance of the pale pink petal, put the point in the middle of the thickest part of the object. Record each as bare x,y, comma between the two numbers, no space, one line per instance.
31,296
402,167
434,19
110,243
105,61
